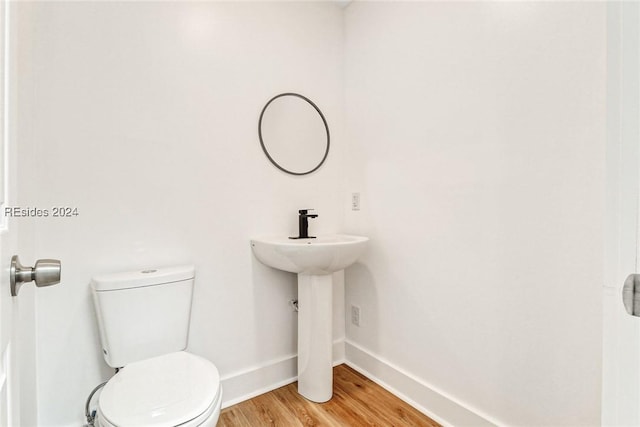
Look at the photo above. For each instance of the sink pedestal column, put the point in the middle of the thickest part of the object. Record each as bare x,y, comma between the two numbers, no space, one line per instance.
315,332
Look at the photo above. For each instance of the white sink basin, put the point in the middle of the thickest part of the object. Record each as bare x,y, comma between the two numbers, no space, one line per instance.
322,255
314,260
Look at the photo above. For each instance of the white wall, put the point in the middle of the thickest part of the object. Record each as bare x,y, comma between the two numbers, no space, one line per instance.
476,139
477,142
144,117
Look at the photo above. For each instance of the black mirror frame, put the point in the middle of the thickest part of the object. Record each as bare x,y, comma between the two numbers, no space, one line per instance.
324,121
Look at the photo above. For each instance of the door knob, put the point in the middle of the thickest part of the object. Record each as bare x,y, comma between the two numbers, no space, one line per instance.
45,273
631,294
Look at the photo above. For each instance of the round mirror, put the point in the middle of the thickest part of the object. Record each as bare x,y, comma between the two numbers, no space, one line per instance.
294,134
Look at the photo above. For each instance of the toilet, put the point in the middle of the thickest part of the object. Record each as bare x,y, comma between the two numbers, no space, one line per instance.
143,317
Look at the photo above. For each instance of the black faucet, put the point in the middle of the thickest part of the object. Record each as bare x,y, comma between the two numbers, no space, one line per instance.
303,224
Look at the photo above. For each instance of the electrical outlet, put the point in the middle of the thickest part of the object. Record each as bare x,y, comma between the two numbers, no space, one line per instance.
355,201
355,315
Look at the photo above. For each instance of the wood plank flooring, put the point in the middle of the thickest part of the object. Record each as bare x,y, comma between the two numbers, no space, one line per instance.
357,401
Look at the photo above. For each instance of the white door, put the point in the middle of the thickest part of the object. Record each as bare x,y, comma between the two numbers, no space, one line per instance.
621,334
9,306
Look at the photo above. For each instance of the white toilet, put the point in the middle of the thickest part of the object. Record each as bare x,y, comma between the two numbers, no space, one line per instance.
144,325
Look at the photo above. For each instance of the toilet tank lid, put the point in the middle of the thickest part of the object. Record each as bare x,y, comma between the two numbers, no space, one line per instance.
140,278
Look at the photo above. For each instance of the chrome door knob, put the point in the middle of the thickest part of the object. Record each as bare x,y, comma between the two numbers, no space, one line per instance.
45,273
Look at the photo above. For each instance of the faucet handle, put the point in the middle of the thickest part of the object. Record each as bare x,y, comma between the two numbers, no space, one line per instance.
305,211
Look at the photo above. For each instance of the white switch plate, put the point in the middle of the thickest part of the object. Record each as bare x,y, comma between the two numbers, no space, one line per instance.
355,201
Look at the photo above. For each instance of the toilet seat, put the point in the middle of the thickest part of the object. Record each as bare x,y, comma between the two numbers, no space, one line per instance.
207,419
170,390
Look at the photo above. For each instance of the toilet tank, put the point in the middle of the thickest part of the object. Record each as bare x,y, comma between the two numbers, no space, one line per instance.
142,314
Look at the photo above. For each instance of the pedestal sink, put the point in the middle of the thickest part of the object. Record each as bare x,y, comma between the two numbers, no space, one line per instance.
313,260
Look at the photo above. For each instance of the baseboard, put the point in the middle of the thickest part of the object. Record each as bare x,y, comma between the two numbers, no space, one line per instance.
251,382
427,399
446,410
338,352
256,380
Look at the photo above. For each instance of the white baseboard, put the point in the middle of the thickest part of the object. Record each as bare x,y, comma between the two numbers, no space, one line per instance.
254,381
240,386
338,353
243,385
427,399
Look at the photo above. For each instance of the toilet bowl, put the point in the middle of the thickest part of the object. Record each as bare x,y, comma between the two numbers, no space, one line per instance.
143,318
177,389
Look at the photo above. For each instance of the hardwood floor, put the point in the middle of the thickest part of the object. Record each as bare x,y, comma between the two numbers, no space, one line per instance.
357,401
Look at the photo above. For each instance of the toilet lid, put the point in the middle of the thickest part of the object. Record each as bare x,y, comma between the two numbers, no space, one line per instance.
163,391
